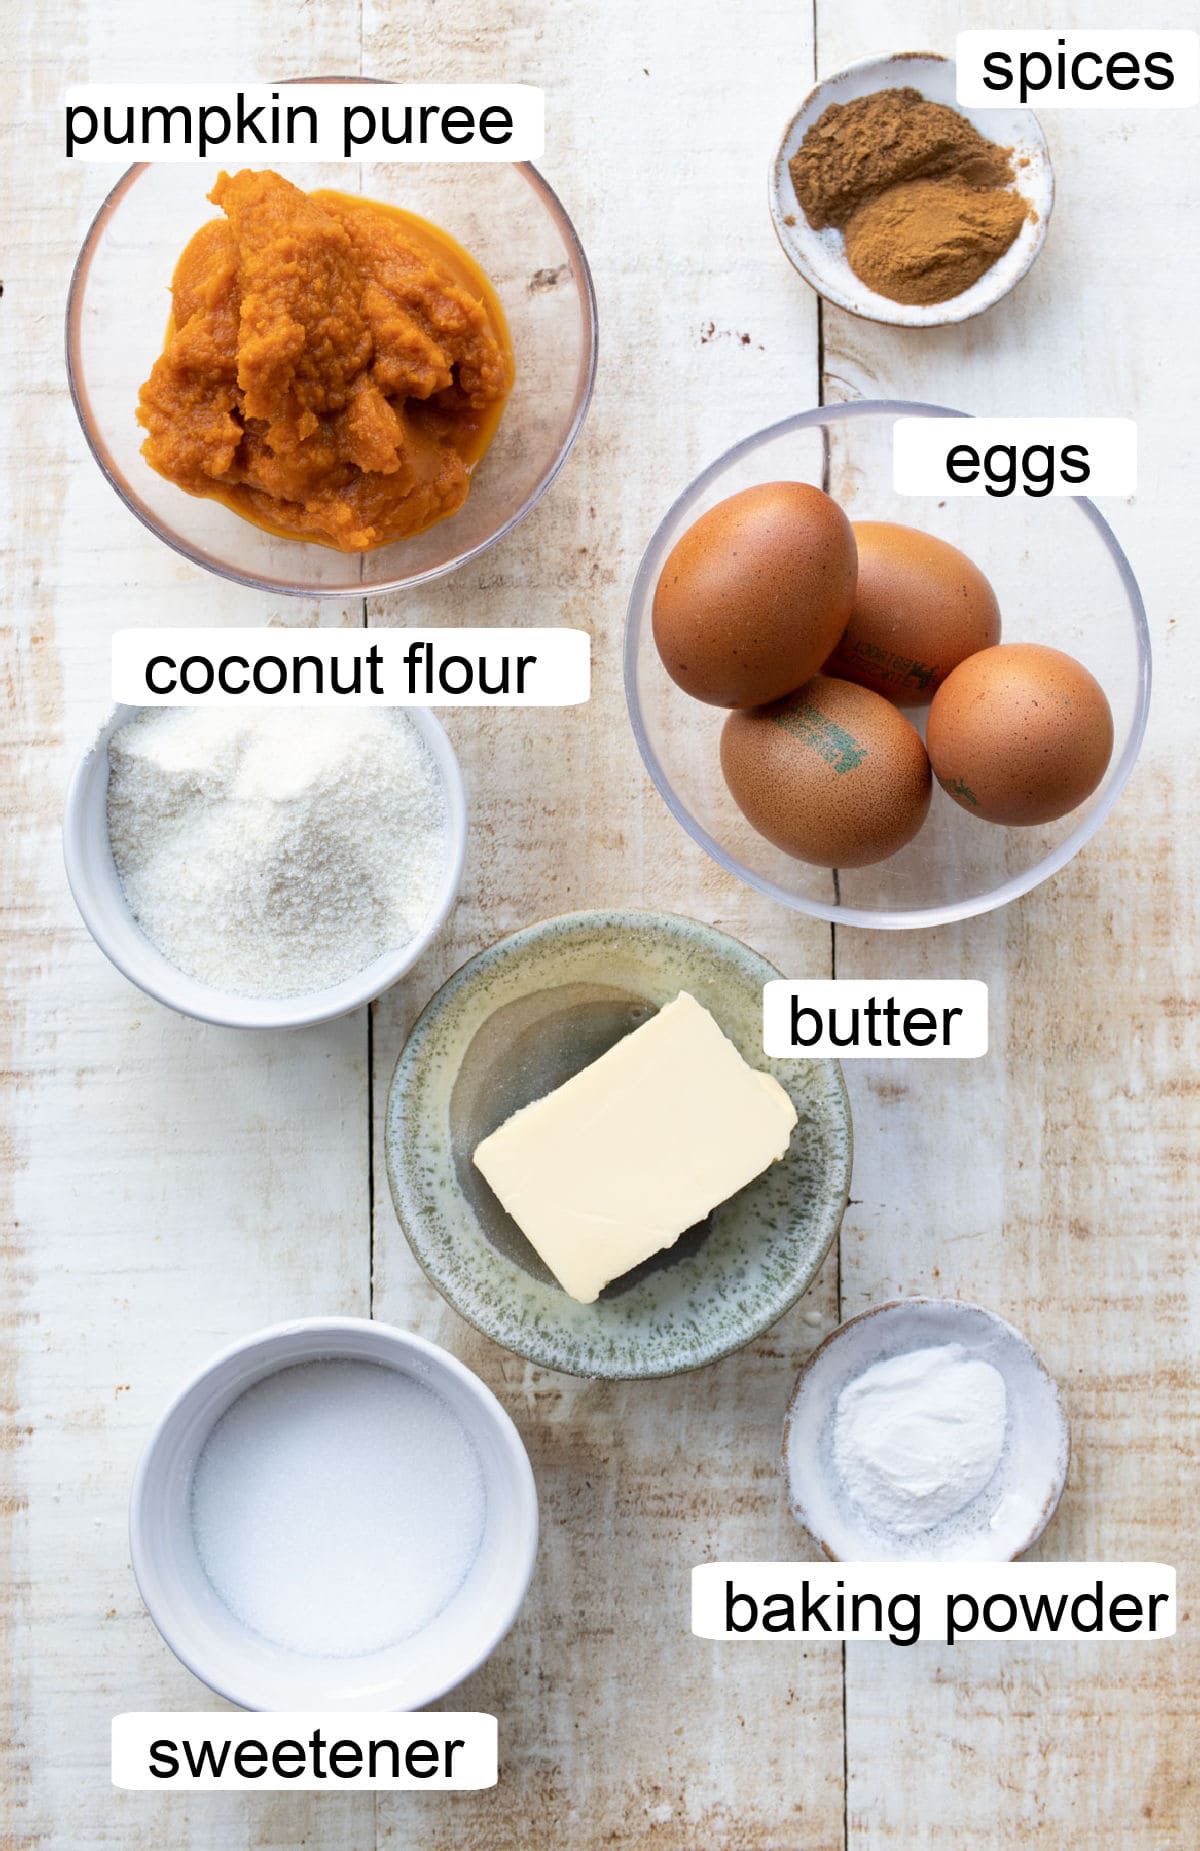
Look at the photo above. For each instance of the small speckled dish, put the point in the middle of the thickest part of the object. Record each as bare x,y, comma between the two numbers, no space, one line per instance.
1007,1516
519,1020
820,256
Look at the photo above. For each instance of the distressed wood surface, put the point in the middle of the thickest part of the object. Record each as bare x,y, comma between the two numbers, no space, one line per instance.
172,1186
1054,1181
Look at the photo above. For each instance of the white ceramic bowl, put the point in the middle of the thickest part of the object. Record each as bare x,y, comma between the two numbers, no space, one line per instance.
96,887
248,1670
820,256
1016,1504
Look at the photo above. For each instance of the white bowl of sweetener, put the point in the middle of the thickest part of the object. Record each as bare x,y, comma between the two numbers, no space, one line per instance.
265,869
925,1429
333,1514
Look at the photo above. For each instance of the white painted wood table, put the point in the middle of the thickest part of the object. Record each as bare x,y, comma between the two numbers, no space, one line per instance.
171,1186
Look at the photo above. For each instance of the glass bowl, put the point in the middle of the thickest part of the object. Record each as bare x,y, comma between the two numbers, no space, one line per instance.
1061,579
503,213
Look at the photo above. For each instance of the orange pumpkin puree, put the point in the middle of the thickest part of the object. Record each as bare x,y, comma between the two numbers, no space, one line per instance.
333,370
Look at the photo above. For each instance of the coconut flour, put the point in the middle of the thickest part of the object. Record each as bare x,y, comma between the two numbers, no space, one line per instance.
273,854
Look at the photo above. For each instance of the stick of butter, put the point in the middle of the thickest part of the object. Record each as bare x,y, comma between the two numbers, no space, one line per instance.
616,1163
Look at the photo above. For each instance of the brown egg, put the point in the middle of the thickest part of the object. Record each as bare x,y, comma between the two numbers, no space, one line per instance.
755,594
920,608
834,774
1020,734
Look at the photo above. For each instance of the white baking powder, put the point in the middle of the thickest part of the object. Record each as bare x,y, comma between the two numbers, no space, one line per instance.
273,854
337,1507
918,1436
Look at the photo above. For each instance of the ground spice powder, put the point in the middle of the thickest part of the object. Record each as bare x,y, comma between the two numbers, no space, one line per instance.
926,203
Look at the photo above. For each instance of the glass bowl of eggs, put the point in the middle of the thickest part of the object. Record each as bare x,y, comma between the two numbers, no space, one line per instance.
882,710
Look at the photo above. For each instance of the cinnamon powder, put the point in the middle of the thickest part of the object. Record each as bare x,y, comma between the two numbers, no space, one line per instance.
926,203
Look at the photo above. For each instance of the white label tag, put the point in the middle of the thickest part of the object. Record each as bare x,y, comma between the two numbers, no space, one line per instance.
304,122
1006,457
1078,70
904,1602
310,1751
859,1019
371,668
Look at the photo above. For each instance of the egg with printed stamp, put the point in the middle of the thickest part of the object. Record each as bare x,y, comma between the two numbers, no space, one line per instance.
834,775
920,608
1020,734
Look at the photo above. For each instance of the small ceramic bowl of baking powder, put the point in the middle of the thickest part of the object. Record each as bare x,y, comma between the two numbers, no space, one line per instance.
925,1429
820,256
333,1514
105,910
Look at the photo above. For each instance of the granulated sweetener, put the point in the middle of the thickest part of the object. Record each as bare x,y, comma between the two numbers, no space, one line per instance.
337,1506
273,854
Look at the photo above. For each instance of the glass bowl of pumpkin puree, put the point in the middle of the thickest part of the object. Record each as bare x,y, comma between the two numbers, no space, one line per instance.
327,380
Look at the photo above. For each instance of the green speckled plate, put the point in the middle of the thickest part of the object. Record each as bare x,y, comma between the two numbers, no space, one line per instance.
518,1020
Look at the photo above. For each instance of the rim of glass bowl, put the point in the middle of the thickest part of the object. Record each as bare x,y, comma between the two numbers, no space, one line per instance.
899,920
585,385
